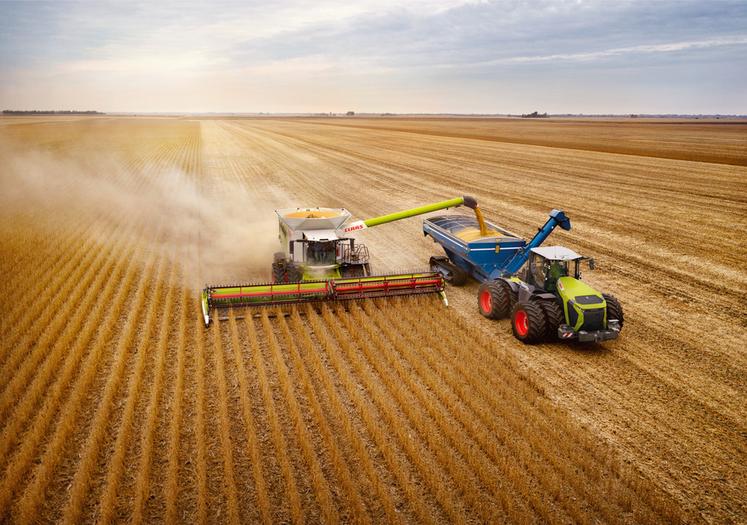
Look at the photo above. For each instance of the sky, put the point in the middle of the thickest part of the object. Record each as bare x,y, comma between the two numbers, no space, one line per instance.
430,56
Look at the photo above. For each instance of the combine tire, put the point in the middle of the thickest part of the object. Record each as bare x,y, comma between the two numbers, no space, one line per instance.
294,273
614,309
494,299
285,272
553,318
353,271
528,322
278,272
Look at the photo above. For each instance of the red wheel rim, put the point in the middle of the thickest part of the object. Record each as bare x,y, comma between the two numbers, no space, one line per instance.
521,322
485,301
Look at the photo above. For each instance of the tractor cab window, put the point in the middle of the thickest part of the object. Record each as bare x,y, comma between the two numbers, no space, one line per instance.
537,269
321,253
553,271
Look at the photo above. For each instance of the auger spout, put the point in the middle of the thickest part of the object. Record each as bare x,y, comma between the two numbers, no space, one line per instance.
557,218
468,201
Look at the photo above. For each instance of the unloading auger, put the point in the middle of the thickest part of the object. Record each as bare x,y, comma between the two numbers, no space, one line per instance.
320,262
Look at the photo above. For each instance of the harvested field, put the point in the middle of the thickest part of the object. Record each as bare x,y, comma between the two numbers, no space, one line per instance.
117,404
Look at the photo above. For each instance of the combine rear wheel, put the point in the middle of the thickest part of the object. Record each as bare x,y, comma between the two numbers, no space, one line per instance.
553,318
528,322
494,299
614,309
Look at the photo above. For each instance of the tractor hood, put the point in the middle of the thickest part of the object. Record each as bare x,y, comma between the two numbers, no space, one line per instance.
571,289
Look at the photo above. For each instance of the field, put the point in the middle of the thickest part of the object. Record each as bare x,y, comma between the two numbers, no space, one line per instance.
116,404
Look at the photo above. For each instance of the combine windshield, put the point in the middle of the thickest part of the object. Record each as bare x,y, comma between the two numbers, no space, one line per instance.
321,253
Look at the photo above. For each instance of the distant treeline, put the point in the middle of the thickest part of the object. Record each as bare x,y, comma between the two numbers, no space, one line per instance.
44,112
534,114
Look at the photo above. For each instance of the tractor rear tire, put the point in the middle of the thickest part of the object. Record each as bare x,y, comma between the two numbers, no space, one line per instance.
554,317
614,309
494,300
528,322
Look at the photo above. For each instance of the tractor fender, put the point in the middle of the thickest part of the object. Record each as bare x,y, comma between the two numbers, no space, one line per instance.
513,282
525,292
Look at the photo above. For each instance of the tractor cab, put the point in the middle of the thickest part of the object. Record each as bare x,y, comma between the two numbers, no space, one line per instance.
547,264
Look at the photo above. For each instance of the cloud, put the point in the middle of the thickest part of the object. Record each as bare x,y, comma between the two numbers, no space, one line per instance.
250,56
671,47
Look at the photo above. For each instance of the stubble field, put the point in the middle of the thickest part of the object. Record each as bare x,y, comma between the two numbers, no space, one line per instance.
117,404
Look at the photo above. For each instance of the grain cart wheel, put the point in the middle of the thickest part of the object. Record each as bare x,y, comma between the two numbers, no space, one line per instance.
493,299
528,322
458,277
614,309
452,273
554,317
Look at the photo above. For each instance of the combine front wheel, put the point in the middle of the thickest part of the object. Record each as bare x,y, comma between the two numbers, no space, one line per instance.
528,322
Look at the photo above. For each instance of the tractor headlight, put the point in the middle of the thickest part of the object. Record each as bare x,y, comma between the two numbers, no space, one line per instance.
613,324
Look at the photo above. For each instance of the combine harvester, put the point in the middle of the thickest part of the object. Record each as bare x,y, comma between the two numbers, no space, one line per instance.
539,288
320,262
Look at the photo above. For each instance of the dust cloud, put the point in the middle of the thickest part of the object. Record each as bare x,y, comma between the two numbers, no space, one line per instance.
217,232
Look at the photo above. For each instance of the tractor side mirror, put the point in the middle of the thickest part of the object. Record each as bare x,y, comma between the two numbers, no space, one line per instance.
592,264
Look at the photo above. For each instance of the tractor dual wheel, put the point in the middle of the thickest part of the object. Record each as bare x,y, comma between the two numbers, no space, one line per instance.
554,317
494,299
614,309
528,322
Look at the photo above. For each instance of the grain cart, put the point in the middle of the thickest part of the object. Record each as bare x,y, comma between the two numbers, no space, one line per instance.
540,288
319,261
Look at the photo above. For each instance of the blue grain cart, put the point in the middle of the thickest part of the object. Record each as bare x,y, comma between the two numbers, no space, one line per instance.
483,251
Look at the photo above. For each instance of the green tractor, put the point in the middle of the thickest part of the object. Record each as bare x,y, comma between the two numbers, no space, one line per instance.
547,300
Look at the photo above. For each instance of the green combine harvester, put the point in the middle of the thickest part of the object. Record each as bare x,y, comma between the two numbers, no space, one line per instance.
319,261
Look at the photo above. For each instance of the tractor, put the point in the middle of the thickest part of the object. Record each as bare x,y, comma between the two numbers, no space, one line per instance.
548,300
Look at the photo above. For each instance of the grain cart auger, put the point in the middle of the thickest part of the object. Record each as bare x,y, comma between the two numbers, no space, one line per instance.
540,288
320,262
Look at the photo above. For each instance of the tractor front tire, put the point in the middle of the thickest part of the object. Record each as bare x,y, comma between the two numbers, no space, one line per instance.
494,299
614,309
528,322
554,317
